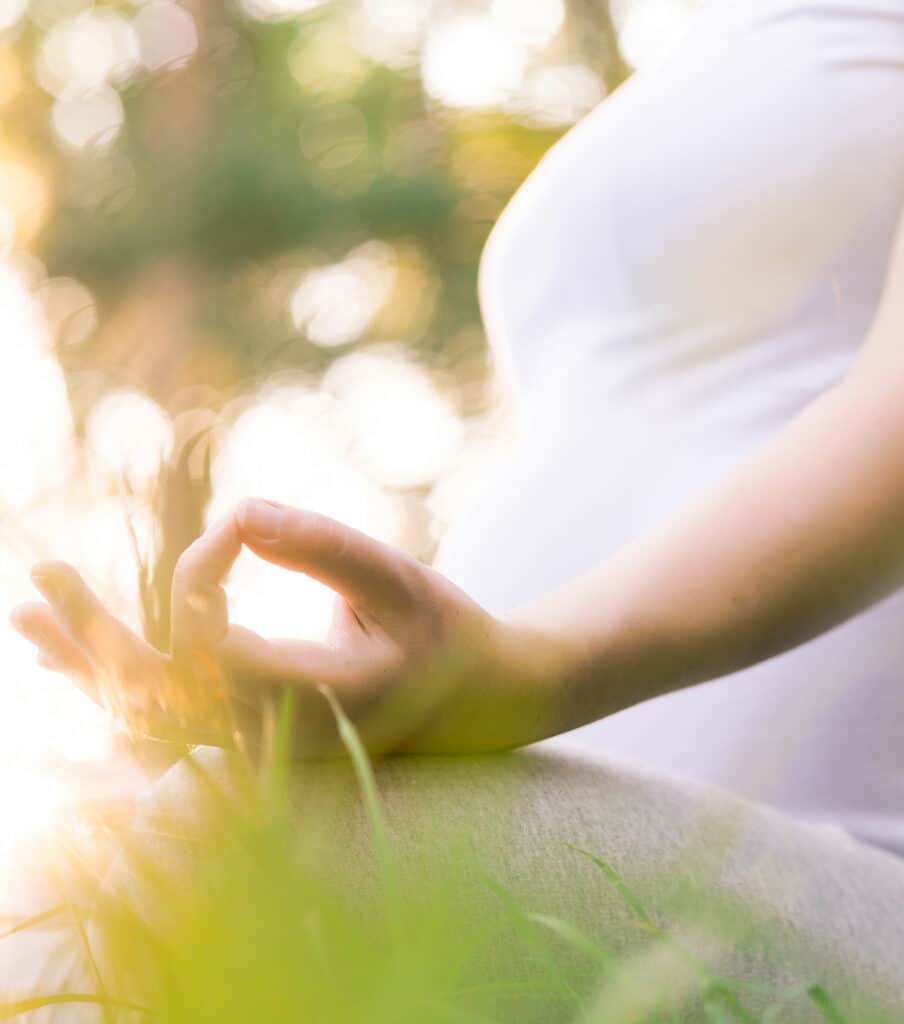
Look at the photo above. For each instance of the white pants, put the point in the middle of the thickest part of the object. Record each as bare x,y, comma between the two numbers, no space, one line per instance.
831,909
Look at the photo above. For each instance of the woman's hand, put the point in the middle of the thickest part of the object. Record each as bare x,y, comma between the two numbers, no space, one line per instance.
153,694
416,663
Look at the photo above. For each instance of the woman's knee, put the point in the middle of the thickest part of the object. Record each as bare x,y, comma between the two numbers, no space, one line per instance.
762,896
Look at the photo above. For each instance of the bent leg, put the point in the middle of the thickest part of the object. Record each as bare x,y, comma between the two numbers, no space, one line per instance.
759,897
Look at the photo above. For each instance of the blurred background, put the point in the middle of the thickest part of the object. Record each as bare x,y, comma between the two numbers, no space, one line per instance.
239,244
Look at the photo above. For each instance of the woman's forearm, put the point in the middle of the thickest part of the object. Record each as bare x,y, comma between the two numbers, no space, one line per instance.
797,540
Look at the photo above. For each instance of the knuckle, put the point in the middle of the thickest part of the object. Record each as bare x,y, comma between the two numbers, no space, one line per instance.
411,584
332,538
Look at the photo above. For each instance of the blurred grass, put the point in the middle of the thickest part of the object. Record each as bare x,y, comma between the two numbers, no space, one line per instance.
252,915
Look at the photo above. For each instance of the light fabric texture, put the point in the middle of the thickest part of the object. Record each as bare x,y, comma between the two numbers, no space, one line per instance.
828,908
685,270
707,866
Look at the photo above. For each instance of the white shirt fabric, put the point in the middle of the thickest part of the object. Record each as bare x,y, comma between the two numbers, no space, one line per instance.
689,267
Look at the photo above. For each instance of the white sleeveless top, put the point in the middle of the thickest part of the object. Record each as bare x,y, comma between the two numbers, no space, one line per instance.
687,269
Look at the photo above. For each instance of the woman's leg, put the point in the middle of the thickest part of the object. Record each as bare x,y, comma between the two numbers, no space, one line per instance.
759,896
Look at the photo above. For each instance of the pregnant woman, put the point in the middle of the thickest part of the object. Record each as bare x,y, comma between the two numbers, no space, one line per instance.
694,547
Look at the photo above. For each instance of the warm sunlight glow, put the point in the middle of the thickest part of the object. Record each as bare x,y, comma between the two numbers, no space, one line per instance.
649,29
70,310
31,800
277,603
7,229
276,10
81,54
36,442
92,532
41,713
334,305
89,119
286,437
294,444
390,31
42,718
396,17
129,435
534,23
472,61
167,34
24,195
559,95
404,431
483,443
10,12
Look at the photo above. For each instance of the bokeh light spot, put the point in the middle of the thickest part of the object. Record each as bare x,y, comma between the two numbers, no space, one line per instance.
130,436
471,61
167,35
334,305
24,193
558,95
70,310
532,22
10,12
36,438
405,432
81,54
648,30
278,10
89,119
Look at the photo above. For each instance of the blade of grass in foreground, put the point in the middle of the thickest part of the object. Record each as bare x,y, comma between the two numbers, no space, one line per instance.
821,999
33,922
19,1006
627,895
534,939
91,960
576,938
372,803
277,760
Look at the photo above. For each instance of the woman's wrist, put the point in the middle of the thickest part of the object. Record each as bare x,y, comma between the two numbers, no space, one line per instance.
504,687
595,658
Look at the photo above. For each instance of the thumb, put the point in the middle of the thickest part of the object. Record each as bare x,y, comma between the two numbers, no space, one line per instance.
364,571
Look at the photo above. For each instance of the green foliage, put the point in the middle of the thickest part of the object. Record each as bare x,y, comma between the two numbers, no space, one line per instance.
251,914
275,148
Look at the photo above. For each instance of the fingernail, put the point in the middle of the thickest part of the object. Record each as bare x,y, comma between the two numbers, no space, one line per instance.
260,519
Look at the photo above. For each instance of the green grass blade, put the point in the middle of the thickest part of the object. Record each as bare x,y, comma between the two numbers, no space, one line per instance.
33,922
575,938
17,1007
373,807
718,1014
823,1002
280,755
616,880
721,1004
85,944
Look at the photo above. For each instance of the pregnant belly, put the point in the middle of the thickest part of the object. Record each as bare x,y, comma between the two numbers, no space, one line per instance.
818,732
571,493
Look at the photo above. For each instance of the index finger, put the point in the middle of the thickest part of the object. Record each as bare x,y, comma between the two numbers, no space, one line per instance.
364,571
200,615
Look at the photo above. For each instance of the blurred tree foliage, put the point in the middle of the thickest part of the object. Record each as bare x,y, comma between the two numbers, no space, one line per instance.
273,147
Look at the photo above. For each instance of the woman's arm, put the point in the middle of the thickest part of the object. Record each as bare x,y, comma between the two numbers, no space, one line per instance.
793,542
803,536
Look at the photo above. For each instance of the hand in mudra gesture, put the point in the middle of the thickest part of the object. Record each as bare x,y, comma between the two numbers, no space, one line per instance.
415,662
